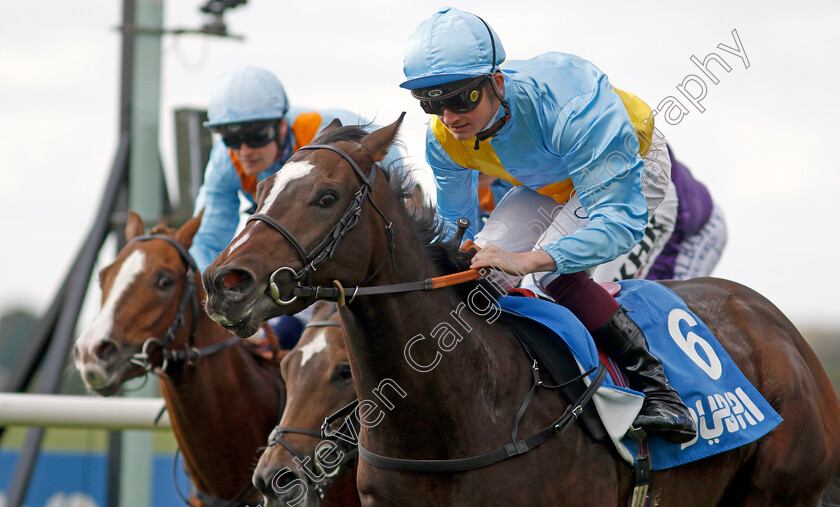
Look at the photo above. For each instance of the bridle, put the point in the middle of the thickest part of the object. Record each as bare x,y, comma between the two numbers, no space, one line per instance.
325,250
189,296
350,452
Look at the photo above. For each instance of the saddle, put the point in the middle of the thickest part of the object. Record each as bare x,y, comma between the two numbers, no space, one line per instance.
556,360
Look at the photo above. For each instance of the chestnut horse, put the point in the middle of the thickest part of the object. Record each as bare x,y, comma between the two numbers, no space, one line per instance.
330,225
318,384
222,394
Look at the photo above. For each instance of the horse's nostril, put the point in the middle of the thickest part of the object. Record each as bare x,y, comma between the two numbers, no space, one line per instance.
259,482
233,279
282,481
105,350
235,283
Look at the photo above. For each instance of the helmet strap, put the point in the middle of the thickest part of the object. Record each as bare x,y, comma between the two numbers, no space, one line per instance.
497,126
284,146
490,132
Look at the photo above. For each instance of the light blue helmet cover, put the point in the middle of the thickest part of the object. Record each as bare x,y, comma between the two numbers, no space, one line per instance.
450,45
246,94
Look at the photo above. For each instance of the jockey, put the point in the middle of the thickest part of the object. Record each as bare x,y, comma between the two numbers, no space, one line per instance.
555,128
259,132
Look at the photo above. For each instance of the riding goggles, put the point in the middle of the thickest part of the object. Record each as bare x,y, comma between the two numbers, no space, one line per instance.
254,138
458,96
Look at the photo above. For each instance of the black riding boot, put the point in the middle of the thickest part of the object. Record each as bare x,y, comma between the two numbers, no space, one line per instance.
663,413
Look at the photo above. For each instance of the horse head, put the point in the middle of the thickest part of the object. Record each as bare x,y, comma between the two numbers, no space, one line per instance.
318,384
147,301
307,213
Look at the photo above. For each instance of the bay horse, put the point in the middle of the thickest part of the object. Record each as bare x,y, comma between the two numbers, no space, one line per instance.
223,394
318,384
335,228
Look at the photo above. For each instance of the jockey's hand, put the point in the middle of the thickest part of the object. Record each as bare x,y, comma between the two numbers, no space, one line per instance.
513,263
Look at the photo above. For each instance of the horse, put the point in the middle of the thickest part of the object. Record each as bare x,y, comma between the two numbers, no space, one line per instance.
223,394
318,384
335,228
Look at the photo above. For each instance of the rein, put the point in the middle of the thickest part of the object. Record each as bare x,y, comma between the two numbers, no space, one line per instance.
189,295
276,437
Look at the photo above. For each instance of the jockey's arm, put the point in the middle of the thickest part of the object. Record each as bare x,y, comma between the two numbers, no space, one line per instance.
600,150
219,198
457,190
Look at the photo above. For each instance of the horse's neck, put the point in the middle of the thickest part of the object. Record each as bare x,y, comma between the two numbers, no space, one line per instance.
394,340
222,409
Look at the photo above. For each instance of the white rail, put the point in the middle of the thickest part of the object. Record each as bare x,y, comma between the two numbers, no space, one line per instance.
64,411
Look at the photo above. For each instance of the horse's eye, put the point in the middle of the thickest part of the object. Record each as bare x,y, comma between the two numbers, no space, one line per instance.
164,282
342,372
327,200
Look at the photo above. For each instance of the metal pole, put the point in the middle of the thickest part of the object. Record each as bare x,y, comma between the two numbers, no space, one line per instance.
114,453
65,411
145,197
145,183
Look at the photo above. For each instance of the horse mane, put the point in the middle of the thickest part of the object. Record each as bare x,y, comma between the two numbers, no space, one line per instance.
441,248
443,251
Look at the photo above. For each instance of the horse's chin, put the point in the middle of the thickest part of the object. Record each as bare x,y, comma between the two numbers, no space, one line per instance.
245,319
108,390
109,381
243,328
105,386
310,500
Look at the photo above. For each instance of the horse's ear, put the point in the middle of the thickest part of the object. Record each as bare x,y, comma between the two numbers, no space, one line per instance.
378,141
185,234
332,126
134,226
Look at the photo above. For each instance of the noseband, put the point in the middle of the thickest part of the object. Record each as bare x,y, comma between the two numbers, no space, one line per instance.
325,249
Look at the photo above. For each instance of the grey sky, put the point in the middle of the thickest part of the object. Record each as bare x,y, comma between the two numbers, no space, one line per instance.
763,145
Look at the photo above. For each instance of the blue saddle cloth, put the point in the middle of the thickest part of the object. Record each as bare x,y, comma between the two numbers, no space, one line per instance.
729,411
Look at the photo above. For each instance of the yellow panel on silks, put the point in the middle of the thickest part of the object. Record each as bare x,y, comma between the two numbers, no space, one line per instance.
640,117
487,162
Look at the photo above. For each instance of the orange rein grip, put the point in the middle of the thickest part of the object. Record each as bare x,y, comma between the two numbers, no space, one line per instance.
470,247
455,278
